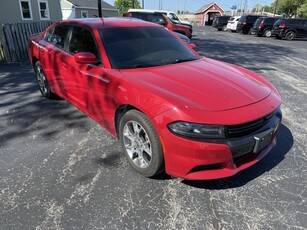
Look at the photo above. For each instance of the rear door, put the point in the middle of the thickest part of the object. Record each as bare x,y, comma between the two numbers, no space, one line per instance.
54,57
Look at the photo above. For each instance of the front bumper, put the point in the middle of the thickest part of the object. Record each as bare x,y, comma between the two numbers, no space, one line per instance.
201,160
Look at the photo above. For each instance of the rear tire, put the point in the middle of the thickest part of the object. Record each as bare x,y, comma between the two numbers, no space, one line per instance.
42,81
141,143
267,33
290,35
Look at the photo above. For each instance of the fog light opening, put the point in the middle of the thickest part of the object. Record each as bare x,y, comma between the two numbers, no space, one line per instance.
206,167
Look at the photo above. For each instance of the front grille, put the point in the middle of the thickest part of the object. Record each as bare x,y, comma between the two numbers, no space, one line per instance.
238,131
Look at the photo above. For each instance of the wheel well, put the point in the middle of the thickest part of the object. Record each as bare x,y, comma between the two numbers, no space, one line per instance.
34,60
121,110
291,30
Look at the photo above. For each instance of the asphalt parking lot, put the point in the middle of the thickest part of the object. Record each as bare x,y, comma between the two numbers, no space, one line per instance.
60,170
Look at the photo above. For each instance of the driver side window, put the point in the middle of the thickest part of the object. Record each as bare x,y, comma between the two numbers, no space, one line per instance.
82,40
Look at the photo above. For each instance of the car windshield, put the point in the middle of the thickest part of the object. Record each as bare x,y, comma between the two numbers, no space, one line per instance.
140,47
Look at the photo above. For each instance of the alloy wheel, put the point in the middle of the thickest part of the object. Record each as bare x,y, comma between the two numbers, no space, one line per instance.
41,80
137,144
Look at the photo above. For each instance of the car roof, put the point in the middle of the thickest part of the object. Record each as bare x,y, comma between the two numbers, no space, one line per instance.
252,15
109,22
149,11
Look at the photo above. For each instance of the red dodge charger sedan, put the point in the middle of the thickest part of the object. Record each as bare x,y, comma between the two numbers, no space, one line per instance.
172,110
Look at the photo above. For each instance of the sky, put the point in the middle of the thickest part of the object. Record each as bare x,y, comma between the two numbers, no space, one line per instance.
194,5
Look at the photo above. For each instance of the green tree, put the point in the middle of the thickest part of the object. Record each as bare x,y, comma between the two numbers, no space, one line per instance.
268,9
257,8
302,11
124,5
289,8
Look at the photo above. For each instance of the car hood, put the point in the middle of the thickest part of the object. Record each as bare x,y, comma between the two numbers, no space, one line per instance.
204,84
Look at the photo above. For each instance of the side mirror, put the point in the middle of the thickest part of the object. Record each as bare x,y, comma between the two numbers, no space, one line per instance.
192,45
85,58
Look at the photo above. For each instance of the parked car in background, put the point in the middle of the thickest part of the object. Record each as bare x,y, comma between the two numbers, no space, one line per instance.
246,22
162,19
263,26
220,22
173,16
290,28
232,23
171,109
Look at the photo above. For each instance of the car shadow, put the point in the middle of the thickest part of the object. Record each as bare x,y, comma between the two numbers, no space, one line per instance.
22,107
277,155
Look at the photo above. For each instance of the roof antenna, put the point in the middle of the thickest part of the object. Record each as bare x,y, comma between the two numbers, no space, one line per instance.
99,9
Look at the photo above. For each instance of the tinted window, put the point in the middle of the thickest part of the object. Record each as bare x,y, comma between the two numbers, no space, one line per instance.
58,35
143,47
173,17
155,18
82,40
292,22
300,22
251,18
270,20
280,21
224,19
242,19
258,21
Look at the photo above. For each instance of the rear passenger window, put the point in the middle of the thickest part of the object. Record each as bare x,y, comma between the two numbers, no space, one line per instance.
300,23
58,35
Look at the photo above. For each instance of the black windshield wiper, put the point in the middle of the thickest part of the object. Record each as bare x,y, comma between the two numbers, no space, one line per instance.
183,60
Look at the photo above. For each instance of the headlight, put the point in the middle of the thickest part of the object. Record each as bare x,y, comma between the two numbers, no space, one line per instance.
197,131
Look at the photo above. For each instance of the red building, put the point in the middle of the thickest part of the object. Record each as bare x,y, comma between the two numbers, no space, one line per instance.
206,14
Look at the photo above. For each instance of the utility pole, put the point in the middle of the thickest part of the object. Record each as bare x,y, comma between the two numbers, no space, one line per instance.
133,4
99,9
275,7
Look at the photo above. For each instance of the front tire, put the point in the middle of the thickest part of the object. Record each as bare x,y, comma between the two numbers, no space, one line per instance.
141,144
42,81
251,32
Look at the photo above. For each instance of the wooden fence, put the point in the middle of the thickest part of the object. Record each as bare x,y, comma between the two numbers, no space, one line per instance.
14,39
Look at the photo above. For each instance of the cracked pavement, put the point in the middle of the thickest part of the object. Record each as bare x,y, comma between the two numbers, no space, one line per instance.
60,170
